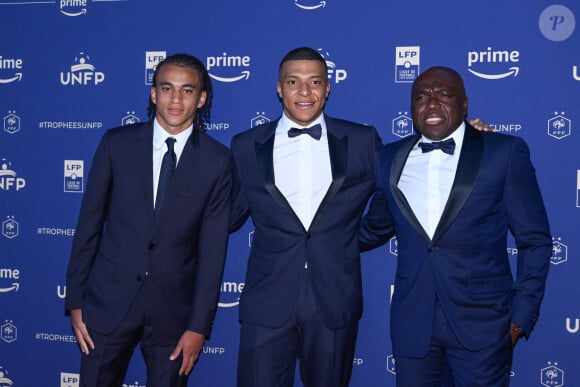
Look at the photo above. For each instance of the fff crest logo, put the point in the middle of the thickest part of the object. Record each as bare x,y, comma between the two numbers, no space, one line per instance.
259,119
10,228
82,73
8,332
402,125
552,376
559,252
11,122
391,364
559,126
130,119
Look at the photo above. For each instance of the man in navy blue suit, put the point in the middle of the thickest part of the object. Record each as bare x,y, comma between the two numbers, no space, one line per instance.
305,178
149,249
451,194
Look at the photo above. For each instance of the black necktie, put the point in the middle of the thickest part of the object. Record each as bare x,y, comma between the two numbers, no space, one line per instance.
447,146
314,131
166,172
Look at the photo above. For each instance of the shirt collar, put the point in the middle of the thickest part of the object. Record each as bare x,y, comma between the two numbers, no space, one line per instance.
160,135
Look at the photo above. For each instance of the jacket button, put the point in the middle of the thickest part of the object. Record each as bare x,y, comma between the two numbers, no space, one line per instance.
138,278
308,236
151,246
433,248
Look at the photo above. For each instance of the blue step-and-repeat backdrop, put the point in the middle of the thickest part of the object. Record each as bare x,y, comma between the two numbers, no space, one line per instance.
70,69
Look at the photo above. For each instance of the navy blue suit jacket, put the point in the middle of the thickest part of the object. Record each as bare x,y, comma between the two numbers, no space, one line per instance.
118,244
281,245
466,263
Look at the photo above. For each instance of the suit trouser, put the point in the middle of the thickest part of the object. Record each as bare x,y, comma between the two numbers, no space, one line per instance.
107,364
267,356
449,363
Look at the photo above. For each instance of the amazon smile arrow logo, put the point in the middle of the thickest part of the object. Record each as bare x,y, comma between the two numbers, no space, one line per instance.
513,71
322,4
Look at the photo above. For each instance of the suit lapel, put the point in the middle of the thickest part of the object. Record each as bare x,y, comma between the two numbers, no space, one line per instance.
144,149
264,147
399,160
465,177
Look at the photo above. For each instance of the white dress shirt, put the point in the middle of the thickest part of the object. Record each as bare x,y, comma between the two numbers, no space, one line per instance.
302,168
427,178
160,147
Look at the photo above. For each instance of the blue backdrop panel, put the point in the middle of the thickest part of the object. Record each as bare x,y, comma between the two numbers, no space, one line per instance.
70,69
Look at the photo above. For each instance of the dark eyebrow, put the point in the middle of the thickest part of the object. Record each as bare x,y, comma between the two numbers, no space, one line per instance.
167,83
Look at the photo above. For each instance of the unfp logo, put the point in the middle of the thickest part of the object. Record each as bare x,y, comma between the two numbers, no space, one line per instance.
8,179
310,5
259,119
402,125
407,63
10,70
5,381
225,63
495,61
152,59
559,126
10,228
82,73
73,175
11,122
335,73
552,376
73,7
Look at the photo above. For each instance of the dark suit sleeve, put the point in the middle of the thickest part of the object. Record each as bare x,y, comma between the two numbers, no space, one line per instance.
90,225
213,239
528,222
240,209
376,227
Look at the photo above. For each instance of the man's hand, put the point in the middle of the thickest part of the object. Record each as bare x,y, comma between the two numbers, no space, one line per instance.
480,125
516,332
80,329
190,344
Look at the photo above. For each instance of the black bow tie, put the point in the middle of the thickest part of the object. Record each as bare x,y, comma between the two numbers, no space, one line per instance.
315,131
447,146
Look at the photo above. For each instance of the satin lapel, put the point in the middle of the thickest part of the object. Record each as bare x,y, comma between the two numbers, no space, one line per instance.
399,160
465,177
144,147
265,157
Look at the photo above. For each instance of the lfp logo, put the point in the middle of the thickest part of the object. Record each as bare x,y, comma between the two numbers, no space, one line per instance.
73,175
494,62
556,23
8,179
310,5
224,65
407,63
73,7
82,73
152,59
10,70
69,380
